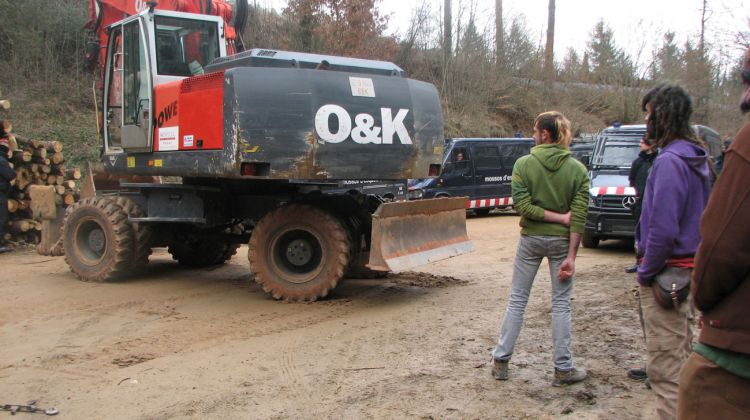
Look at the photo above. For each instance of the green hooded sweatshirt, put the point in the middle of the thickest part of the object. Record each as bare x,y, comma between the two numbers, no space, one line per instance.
550,179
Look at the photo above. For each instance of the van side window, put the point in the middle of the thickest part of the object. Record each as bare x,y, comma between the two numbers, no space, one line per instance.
512,153
488,157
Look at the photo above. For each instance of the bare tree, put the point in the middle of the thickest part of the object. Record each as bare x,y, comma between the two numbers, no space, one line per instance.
549,55
447,29
499,32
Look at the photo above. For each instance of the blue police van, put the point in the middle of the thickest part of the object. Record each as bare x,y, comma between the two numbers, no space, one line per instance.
477,168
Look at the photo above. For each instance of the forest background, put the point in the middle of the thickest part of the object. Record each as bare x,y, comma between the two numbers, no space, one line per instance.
492,82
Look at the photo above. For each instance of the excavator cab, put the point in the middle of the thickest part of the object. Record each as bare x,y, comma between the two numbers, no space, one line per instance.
145,51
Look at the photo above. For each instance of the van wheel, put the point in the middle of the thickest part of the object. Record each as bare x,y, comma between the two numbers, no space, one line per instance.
589,240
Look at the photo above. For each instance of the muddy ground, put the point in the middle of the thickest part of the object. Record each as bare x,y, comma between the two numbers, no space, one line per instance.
208,343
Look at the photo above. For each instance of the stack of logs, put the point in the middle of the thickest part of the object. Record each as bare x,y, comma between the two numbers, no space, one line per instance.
37,163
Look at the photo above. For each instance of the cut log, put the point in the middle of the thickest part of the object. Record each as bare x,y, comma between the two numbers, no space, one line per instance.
21,156
15,205
5,104
74,173
59,189
54,146
40,153
56,158
23,178
21,226
70,198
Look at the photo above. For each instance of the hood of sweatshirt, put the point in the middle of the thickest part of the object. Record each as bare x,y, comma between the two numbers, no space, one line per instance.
551,156
694,156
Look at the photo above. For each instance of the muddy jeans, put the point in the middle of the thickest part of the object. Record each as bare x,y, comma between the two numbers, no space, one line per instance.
669,337
531,251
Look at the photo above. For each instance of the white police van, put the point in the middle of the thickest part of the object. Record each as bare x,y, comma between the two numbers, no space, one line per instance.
477,168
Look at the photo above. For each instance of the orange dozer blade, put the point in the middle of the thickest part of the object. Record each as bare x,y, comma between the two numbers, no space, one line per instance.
407,234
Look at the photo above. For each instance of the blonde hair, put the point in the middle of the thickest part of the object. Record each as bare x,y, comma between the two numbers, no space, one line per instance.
557,125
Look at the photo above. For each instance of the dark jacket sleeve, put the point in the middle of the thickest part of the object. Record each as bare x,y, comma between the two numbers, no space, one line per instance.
6,171
634,171
723,259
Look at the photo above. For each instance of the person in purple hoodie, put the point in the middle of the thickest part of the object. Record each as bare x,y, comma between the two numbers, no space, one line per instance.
677,191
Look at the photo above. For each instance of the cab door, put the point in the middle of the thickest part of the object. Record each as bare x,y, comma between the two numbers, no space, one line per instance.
457,178
128,91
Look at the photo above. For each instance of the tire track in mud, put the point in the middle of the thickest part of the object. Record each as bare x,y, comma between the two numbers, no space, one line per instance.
290,376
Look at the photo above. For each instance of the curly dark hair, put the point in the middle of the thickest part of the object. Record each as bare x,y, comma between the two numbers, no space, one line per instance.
669,119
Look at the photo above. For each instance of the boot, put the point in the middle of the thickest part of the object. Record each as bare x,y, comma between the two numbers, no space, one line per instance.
568,377
637,374
500,370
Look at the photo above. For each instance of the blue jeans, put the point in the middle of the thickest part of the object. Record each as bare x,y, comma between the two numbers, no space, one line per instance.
531,251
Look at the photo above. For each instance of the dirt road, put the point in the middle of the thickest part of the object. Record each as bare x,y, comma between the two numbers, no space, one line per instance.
208,343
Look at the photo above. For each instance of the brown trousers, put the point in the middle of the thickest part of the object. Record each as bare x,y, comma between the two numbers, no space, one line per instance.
669,337
709,392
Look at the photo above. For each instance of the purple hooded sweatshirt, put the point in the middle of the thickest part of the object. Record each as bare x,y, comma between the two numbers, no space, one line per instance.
677,191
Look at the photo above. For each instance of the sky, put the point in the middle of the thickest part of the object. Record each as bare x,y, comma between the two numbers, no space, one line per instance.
637,25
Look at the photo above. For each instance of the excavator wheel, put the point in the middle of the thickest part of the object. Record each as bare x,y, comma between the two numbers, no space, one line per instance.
98,240
141,233
299,252
201,252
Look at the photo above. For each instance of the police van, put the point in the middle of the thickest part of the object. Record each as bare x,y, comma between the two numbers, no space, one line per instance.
478,168
611,196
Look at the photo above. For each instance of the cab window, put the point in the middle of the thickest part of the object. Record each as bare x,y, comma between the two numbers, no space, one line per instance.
184,46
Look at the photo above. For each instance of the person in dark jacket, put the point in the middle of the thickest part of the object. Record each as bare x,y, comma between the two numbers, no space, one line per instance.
715,380
7,174
668,235
638,175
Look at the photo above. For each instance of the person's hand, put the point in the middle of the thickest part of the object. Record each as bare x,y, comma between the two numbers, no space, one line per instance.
567,269
565,219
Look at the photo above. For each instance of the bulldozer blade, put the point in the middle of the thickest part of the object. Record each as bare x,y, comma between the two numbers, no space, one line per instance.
406,234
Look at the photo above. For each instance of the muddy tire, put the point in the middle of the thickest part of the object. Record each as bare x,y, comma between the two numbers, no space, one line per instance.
589,240
299,252
98,240
201,253
141,233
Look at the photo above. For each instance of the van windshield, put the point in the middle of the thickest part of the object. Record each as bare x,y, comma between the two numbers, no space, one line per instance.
617,153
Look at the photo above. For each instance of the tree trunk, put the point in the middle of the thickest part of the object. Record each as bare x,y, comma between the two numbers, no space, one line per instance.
447,30
549,54
499,33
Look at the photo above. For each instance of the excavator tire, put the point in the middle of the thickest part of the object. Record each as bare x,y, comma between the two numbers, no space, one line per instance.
201,252
141,233
98,240
299,252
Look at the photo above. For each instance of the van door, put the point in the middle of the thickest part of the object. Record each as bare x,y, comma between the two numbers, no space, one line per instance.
490,175
457,178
